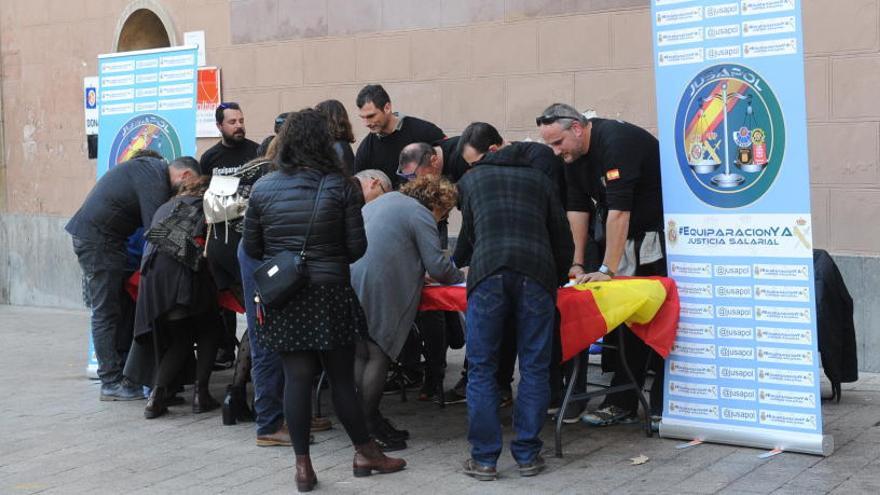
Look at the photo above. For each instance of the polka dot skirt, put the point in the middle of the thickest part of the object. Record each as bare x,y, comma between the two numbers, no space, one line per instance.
321,317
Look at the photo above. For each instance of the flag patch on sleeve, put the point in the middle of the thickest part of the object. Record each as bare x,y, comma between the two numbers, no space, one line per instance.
612,174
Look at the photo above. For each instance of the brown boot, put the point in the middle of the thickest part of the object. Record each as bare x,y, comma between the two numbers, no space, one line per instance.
368,458
305,474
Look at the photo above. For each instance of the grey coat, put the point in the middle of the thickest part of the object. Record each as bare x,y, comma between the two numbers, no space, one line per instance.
402,243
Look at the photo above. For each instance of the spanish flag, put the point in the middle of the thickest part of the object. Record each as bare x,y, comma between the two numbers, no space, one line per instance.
649,306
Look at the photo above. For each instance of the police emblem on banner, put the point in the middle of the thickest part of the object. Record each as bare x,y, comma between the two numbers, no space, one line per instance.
729,136
147,131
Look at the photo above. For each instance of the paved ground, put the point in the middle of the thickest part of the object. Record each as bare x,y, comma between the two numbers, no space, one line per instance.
56,437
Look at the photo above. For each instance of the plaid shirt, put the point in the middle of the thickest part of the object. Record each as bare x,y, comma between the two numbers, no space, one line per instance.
512,218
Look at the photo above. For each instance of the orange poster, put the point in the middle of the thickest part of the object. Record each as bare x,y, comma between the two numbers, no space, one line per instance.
208,99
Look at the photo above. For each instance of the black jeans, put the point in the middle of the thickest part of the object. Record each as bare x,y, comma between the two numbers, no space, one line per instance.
103,264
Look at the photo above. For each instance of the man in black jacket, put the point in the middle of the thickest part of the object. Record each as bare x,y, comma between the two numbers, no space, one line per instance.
124,198
516,240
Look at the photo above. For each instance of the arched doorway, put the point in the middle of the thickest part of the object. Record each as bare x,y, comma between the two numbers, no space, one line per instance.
143,25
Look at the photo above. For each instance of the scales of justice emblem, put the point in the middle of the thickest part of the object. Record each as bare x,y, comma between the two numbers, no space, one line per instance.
730,135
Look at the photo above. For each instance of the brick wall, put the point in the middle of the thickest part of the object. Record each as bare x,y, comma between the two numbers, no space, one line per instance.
449,61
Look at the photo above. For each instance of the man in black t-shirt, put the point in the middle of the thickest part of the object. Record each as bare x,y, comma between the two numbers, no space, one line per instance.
612,175
234,149
226,158
390,132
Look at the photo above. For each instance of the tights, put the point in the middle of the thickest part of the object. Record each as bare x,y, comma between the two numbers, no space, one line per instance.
300,368
370,367
180,335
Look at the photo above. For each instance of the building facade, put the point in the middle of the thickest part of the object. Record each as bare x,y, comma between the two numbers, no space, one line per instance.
448,61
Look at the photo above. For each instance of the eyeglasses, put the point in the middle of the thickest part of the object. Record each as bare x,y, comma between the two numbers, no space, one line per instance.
549,119
408,175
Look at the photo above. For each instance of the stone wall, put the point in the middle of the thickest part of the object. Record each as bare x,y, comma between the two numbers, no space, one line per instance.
449,61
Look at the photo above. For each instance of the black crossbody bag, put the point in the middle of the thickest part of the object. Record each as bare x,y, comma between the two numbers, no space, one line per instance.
280,278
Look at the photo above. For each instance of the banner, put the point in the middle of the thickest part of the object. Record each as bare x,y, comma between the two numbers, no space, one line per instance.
731,113
147,100
208,100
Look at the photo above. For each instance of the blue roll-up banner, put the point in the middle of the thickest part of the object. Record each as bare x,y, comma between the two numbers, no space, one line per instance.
744,369
146,99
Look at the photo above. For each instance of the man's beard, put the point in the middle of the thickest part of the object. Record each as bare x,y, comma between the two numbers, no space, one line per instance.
233,138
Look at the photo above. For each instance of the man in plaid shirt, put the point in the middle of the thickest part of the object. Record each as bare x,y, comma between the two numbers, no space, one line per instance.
516,240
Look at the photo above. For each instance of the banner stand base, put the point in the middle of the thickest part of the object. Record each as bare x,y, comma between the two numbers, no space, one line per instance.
806,443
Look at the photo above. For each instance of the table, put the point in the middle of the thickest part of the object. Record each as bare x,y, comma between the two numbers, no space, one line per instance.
648,305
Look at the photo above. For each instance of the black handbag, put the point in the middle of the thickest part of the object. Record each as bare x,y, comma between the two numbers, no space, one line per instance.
280,278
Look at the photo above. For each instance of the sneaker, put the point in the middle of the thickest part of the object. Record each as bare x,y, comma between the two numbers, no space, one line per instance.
532,468
573,412
388,443
121,392
609,415
391,431
479,472
280,438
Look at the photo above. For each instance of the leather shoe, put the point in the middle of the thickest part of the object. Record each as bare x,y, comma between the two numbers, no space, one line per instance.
202,400
305,474
156,403
368,458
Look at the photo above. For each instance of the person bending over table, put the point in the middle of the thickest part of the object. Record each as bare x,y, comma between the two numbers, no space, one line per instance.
515,238
402,243
612,175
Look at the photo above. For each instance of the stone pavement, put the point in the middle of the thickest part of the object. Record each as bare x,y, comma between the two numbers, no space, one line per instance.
56,437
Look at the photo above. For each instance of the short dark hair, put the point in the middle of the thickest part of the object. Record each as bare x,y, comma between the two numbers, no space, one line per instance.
479,136
304,141
229,105
373,93
416,152
186,163
337,117
147,153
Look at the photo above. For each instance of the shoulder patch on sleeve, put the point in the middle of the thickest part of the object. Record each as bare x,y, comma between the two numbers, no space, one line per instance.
612,174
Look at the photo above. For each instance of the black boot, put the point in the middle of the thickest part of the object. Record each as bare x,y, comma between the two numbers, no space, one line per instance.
202,400
156,403
235,406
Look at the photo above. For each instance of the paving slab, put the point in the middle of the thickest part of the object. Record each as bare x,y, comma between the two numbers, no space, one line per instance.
57,438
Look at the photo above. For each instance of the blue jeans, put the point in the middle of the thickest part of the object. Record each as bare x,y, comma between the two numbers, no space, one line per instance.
508,296
266,371
103,264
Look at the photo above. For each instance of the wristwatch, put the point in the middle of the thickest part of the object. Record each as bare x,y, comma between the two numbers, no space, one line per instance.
607,271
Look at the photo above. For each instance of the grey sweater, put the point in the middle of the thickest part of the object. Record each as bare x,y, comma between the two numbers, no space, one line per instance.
402,243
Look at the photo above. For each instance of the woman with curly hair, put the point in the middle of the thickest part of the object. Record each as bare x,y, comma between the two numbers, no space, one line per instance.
402,243
320,324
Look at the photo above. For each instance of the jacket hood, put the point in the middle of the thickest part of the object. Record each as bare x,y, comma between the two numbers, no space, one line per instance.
508,156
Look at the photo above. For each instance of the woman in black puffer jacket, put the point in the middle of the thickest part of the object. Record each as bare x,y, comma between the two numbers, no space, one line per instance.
323,320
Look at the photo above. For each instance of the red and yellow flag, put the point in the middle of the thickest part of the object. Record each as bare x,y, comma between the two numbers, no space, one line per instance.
649,306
